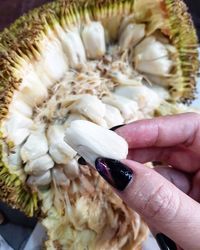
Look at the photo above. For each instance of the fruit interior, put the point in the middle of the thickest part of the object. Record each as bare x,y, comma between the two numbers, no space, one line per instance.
110,64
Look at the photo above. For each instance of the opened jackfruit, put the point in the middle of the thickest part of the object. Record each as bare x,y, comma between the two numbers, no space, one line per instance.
108,62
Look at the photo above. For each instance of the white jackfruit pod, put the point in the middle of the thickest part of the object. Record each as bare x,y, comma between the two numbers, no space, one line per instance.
91,107
123,79
44,78
71,169
72,46
146,98
151,56
53,60
46,196
39,166
59,177
59,150
14,158
92,141
72,117
35,146
113,116
31,87
131,35
159,80
162,92
17,127
42,180
31,102
20,106
94,40
128,108
126,21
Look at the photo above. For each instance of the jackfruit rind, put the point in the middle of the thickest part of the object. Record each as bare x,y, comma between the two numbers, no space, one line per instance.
184,36
14,192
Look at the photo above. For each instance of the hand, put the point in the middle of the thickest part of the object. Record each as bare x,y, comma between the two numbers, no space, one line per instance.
169,208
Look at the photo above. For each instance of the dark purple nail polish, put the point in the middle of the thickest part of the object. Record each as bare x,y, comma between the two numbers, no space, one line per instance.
82,161
114,172
165,243
116,127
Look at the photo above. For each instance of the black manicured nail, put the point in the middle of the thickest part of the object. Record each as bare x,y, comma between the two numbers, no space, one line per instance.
114,172
165,243
82,161
116,127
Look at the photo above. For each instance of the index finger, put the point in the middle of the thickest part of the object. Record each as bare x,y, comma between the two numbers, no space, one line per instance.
167,131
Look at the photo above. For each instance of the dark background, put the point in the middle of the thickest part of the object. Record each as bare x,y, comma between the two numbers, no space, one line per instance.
194,8
11,9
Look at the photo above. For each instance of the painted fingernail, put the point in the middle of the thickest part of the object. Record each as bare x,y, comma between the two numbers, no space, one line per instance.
116,127
165,243
82,161
114,172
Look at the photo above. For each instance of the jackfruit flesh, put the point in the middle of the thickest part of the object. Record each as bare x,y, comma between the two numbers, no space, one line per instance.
105,62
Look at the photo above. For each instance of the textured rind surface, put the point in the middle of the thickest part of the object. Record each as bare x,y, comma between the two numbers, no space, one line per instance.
22,39
13,191
184,37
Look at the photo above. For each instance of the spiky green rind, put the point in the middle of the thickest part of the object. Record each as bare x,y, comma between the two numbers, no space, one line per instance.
13,191
183,35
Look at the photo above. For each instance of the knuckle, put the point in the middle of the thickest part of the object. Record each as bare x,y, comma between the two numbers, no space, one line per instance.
161,205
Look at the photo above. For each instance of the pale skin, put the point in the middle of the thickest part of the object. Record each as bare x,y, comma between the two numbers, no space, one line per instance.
168,198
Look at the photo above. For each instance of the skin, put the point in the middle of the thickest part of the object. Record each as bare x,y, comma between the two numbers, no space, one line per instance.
167,197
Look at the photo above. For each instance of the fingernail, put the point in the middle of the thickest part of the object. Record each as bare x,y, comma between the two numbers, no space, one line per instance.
165,243
116,127
82,161
114,172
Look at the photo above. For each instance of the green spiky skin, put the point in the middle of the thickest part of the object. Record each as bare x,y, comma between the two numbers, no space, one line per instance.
13,190
22,39
185,39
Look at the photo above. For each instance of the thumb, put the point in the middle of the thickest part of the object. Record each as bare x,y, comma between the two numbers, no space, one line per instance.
159,202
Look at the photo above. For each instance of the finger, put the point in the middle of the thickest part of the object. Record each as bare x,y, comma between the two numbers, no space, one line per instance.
181,180
195,190
158,201
165,131
179,157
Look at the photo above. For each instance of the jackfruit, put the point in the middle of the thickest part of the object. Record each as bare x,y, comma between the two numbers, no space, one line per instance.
99,62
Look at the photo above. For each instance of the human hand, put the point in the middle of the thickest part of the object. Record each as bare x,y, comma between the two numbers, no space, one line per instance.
169,208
